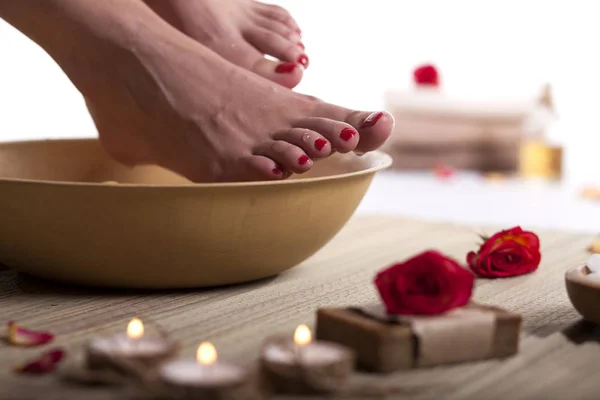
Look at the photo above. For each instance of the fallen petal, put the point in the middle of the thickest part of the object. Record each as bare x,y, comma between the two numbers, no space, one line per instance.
46,363
20,336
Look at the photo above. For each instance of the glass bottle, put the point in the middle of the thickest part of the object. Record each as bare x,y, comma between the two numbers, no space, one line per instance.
541,150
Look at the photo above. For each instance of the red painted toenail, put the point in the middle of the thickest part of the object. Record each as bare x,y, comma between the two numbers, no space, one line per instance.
285,68
347,134
303,159
371,119
301,45
303,59
320,143
277,171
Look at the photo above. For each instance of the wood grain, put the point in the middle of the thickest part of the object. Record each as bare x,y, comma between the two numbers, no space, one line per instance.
555,346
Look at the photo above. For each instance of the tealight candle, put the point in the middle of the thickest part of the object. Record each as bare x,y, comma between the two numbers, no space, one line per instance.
304,366
130,350
204,377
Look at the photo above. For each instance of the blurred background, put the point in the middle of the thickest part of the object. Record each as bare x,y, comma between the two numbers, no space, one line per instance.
484,50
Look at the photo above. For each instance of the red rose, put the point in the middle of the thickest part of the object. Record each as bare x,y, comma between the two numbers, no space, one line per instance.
426,75
508,253
429,283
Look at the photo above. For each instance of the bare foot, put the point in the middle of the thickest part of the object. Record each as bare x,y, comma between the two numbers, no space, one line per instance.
159,97
210,120
242,31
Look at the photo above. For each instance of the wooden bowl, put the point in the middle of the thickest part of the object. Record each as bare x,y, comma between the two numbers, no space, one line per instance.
584,293
155,229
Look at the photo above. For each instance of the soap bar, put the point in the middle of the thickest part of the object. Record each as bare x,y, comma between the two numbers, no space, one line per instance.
383,344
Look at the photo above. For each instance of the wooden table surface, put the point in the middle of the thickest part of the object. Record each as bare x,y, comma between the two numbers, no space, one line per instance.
558,356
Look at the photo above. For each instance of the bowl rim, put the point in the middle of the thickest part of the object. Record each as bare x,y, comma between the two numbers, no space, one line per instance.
577,275
386,162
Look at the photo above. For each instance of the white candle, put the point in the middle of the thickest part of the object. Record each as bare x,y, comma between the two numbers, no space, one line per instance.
203,372
126,346
304,351
132,344
301,366
315,353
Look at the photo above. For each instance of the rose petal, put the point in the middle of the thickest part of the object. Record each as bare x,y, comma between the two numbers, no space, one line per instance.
46,363
20,336
471,258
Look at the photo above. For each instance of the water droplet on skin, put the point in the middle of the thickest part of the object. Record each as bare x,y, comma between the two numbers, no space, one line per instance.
306,137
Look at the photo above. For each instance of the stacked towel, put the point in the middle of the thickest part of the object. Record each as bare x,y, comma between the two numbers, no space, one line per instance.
432,129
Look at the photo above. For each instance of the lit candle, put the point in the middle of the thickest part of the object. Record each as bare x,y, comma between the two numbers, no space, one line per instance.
205,377
304,366
130,350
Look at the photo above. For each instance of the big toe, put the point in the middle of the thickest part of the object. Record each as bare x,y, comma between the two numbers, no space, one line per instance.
374,128
286,74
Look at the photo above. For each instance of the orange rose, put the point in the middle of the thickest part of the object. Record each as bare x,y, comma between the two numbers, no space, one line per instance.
507,253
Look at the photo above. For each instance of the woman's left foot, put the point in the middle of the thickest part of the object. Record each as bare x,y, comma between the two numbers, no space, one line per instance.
242,31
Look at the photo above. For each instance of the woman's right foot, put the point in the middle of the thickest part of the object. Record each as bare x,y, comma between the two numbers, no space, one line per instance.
204,118
242,31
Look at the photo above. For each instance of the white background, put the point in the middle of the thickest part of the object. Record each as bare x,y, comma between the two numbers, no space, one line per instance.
360,49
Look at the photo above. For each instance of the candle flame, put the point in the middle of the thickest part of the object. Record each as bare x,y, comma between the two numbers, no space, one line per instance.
302,336
206,354
135,329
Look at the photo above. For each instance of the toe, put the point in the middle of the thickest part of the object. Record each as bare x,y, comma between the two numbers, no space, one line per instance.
282,29
284,73
257,168
289,156
374,128
240,52
342,136
271,43
277,13
312,143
